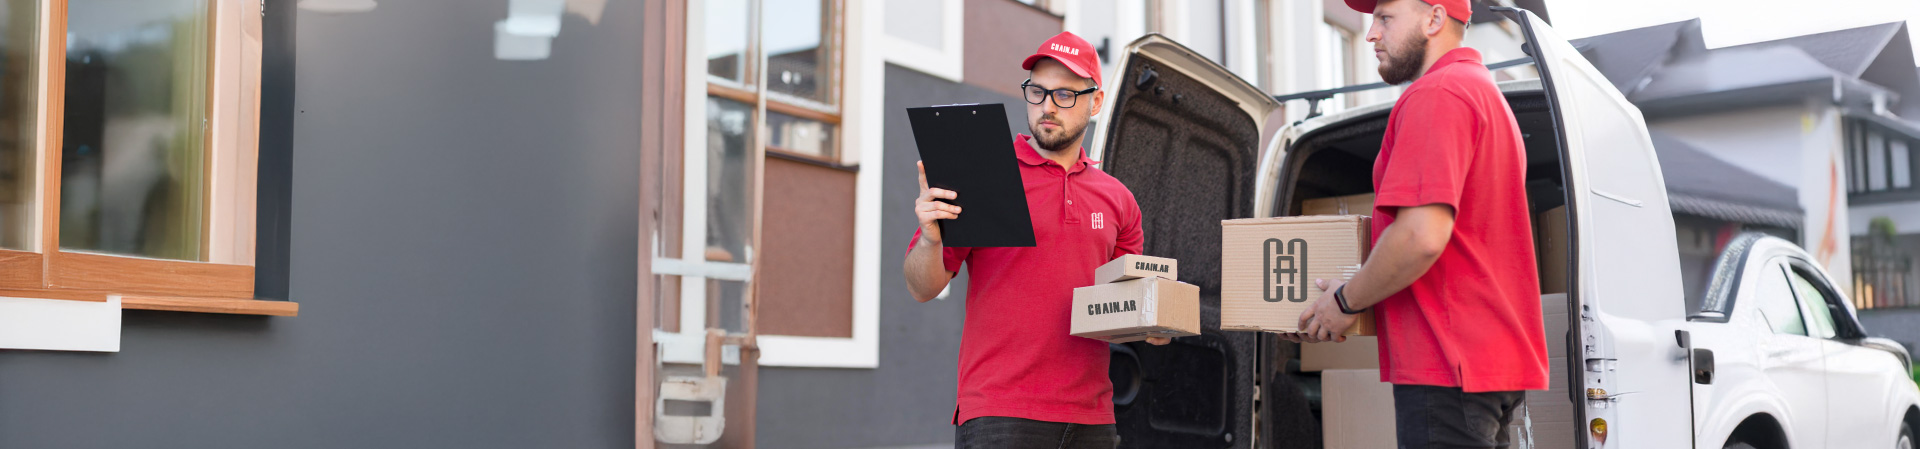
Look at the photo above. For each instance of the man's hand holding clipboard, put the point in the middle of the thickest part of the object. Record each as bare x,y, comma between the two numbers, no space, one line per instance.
968,148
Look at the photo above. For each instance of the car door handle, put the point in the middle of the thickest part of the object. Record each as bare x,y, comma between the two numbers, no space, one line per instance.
1703,366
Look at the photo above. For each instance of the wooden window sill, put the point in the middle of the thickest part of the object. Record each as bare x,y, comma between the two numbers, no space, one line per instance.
211,305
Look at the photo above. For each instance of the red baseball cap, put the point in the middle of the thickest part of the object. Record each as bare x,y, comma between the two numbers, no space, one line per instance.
1461,10
1072,51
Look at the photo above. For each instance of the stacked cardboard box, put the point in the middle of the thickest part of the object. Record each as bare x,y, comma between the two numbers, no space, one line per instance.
1268,268
1551,411
1136,297
1361,204
1356,410
1550,245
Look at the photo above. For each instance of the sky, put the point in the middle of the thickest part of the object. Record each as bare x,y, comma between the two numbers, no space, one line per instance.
1732,22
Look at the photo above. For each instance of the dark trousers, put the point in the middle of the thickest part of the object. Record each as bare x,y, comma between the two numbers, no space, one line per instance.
1446,417
1018,433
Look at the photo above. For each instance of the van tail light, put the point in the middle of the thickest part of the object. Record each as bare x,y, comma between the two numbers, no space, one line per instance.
1598,427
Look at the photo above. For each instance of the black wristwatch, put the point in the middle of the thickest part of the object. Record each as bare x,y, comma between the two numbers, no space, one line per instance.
1340,297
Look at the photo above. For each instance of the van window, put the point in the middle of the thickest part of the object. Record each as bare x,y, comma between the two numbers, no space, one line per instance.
1773,298
1819,317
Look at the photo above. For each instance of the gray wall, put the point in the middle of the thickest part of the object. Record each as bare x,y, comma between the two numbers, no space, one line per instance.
463,249
909,399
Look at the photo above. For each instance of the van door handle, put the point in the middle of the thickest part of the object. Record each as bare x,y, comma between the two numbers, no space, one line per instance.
1703,366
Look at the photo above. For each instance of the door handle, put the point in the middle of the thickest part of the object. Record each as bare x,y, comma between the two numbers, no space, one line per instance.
1703,366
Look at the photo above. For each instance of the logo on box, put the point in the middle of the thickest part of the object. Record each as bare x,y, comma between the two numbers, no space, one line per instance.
1150,266
1282,274
1110,307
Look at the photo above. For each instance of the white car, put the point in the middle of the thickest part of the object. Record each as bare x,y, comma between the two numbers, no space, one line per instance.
1646,370
1779,359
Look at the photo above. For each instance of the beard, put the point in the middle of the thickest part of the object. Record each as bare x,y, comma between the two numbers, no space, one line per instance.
1403,61
1061,141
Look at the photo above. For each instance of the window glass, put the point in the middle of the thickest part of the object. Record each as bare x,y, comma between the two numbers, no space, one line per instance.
1773,299
799,45
1206,33
1876,161
19,60
728,24
1820,318
1902,167
133,151
730,173
798,135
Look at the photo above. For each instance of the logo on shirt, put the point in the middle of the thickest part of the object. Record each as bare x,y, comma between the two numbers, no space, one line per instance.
1064,49
1110,307
1284,267
1099,220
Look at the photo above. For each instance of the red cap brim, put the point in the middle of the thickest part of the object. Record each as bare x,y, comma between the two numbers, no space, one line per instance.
1364,6
1071,66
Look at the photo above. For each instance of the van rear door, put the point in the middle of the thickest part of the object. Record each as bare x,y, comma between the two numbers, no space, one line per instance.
1183,134
1626,300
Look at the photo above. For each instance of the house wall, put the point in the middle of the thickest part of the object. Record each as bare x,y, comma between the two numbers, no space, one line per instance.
462,249
1795,144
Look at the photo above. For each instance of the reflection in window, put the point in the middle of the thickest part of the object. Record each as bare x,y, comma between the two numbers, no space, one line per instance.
1773,298
1820,317
798,135
728,26
798,63
19,60
133,151
730,173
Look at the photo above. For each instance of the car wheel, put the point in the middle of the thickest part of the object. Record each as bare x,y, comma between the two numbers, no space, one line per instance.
1906,437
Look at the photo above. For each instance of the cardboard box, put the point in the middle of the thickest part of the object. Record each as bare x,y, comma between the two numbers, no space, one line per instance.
1361,204
1549,410
1268,266
1133,310
1135,266
1358,352
1356,410
1550,245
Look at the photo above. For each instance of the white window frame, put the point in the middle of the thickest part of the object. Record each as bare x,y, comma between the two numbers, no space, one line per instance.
861,119
945,62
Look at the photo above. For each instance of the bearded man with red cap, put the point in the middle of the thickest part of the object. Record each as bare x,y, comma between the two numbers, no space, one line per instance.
1023,382
1451,275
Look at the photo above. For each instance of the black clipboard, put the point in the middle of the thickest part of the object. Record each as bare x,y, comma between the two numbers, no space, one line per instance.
968,149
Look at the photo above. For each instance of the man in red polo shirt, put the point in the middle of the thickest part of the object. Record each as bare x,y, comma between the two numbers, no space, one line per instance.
1025,383
1452,272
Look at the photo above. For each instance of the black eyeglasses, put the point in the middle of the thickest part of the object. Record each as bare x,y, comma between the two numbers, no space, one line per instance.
1064,98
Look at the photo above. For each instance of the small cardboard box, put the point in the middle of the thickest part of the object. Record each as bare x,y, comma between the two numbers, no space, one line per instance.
1550,245
1268,266
1135,266
1361,204
1356,410
1358,352
1133,310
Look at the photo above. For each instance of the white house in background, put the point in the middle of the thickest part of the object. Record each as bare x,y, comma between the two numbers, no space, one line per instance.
1821,113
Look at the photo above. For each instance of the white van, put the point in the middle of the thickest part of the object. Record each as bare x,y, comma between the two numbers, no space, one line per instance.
1186,136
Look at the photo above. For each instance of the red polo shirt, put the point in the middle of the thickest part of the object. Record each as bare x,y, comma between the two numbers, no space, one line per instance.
1473,320
1016,359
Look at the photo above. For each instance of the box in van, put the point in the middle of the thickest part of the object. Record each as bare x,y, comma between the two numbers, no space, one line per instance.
1361,204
